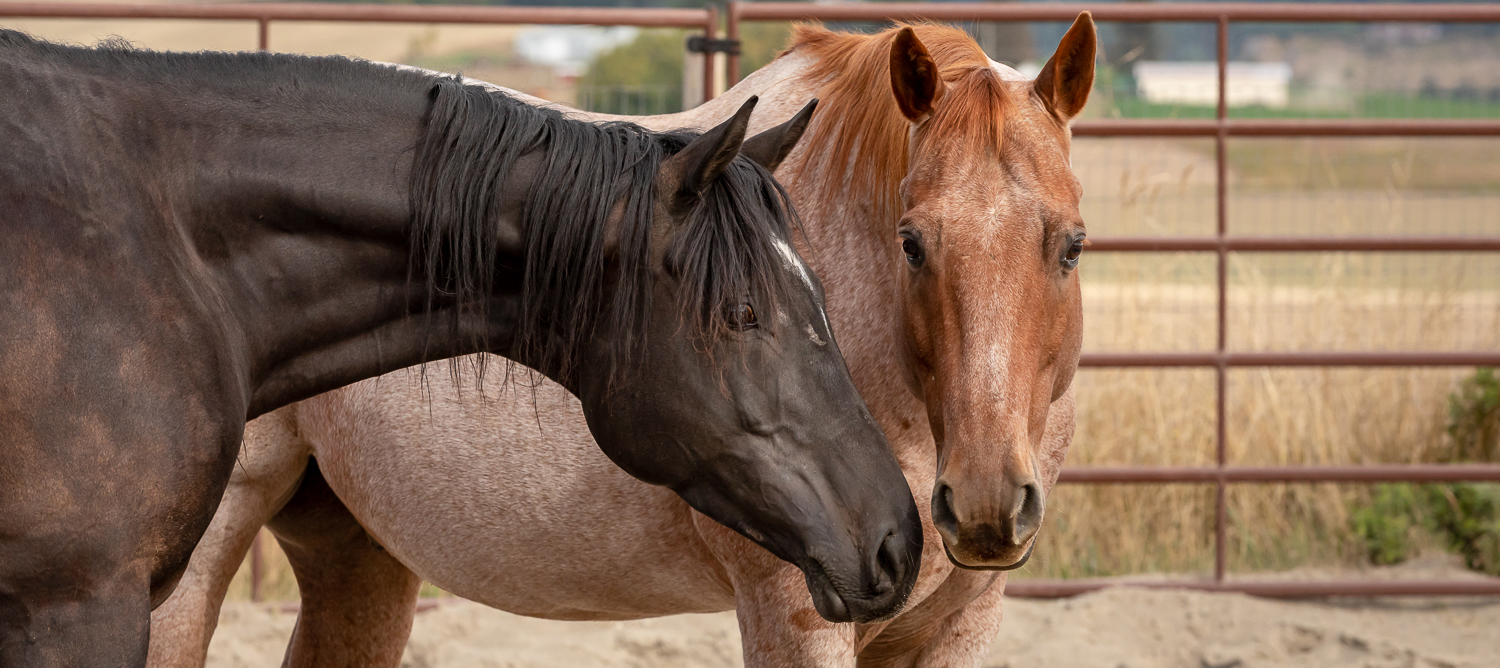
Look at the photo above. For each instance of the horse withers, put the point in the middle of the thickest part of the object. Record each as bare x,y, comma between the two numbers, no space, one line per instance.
191,240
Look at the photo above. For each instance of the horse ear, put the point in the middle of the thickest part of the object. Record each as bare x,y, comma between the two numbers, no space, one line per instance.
914,76
1064,82
769,148
703,160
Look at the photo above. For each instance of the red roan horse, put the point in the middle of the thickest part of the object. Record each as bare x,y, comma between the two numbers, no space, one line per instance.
940,210
191,240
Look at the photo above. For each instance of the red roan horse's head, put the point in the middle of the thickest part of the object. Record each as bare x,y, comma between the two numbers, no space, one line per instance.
970,169
991,235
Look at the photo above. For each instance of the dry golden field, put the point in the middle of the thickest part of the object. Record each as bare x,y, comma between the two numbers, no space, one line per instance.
1339,301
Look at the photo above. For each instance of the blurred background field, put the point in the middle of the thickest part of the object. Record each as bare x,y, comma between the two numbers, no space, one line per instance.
1159,301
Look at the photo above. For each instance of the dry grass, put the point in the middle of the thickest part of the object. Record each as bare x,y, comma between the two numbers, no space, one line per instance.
1161,302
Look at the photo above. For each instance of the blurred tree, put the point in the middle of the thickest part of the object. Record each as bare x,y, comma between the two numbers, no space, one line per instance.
643,76
760,43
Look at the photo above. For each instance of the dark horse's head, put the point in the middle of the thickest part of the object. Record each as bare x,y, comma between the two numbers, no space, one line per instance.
659,284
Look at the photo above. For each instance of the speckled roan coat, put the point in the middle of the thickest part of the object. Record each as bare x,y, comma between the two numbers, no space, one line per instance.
947,241
188,241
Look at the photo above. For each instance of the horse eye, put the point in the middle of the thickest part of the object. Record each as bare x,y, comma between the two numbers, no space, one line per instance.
913,251
742,317
1070,259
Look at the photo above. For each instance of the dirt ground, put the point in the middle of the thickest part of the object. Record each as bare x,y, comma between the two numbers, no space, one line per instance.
1116,628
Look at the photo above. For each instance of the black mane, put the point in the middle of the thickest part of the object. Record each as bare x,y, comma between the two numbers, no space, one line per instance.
724,254
472,139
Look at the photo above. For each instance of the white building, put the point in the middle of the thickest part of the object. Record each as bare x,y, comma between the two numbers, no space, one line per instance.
1197,83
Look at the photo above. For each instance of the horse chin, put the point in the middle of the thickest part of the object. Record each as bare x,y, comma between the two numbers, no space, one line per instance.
826,599
991,567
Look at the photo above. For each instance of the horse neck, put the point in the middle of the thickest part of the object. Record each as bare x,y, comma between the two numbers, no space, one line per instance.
291,199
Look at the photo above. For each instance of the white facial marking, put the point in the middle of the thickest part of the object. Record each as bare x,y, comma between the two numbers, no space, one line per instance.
794,264
812,334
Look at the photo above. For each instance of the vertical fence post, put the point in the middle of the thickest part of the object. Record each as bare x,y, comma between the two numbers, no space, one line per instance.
1221,369
265,33
732,32
257,567
710,59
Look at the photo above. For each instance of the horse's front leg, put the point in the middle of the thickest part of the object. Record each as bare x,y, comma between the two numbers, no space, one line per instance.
266,474
93,529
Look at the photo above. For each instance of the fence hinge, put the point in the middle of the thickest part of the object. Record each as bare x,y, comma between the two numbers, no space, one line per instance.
701,44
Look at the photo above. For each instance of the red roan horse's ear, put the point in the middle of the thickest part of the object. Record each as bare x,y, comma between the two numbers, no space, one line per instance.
914,76
770,147
1064,82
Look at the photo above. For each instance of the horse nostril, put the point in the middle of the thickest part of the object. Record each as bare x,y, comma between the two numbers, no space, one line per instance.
888,562
942,507
1029,512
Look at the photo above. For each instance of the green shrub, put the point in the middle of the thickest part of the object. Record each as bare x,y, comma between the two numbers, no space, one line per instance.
1465,516
1474,417
1385,526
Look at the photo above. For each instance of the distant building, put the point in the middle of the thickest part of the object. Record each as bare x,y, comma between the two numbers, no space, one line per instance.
1197,83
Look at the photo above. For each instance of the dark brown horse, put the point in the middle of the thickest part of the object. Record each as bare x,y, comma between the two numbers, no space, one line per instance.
191,240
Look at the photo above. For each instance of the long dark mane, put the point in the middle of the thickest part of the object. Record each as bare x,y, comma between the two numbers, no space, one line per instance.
582,276
574,289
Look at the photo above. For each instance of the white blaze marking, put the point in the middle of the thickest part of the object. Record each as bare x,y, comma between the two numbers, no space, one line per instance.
794,264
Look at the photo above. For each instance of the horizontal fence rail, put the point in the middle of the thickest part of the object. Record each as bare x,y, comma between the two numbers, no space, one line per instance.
1221,359
286,11
706,18
1288,128
1280,474
1294,244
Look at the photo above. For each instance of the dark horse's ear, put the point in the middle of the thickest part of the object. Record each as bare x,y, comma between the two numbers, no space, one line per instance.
914,76
769,148
699,163
1064,82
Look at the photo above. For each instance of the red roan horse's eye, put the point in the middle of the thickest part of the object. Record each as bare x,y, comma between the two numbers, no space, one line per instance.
913,251
742,317
1070,259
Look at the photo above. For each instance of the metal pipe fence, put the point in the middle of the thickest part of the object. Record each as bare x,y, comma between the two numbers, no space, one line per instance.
1221,358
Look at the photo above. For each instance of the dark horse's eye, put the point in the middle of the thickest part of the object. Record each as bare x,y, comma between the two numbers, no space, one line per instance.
1070,258
742,317
913,250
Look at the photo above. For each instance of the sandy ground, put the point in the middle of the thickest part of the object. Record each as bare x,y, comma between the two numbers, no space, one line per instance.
1116,628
